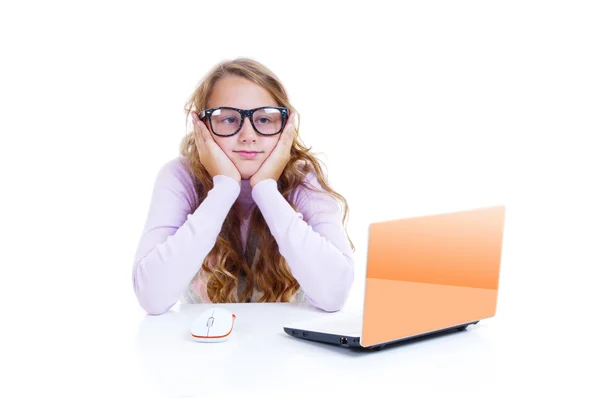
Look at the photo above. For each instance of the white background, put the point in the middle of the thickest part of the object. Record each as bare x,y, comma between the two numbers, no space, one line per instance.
416,108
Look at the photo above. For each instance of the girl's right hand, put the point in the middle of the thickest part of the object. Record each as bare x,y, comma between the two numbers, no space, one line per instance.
211,155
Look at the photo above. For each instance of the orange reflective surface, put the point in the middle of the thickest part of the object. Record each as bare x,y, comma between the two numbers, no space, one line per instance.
432,272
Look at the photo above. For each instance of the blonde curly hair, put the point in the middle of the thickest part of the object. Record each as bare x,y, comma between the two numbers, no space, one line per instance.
261,263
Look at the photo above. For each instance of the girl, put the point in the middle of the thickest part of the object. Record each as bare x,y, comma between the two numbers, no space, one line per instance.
244,214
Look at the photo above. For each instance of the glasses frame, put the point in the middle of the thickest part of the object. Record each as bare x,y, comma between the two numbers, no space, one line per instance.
245,113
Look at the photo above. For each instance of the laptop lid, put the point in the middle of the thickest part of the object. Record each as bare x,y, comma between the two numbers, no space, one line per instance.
430,273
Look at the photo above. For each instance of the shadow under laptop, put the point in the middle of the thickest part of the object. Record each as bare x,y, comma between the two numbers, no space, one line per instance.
435,337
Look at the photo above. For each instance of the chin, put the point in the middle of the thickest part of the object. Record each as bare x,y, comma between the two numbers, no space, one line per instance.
246,174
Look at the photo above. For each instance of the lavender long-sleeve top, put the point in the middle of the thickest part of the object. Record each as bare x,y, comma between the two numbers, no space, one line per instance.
180,232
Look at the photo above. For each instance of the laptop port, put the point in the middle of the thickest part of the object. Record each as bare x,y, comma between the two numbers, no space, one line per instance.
295,333
344,342
305,334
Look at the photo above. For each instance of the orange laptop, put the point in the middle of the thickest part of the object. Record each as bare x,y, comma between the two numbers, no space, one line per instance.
425,275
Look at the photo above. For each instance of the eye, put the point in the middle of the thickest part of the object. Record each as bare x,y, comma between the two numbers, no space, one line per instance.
228,120
263,120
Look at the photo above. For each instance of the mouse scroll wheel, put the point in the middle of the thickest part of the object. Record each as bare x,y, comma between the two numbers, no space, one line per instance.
210,321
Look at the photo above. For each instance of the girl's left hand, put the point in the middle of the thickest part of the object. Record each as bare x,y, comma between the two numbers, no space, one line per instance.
275,163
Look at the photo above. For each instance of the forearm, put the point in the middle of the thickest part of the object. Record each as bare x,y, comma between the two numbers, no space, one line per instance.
324,270
162,274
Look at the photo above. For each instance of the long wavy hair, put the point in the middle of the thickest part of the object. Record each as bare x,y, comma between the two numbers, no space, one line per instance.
260,266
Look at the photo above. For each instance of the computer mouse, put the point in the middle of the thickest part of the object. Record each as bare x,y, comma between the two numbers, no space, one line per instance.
213,325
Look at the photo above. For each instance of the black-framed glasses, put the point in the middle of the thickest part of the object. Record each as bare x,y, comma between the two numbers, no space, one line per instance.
226,121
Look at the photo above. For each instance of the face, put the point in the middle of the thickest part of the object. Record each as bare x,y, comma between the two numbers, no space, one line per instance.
241,93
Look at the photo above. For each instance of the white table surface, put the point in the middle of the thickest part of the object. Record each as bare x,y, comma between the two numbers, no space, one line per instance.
260,358
540,342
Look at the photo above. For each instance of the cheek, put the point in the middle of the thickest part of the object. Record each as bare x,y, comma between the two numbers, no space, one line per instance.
225,144
270,144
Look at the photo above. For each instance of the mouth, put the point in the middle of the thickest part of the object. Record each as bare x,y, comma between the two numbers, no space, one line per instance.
247,154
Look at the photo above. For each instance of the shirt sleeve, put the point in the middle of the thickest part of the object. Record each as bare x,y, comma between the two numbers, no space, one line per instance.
312,241
176,238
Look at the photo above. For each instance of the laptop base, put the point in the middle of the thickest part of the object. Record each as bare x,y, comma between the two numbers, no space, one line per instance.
353,342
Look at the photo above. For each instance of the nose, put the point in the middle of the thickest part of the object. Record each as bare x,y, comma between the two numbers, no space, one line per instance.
247,133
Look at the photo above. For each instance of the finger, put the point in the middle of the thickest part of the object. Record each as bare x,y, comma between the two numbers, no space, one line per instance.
290,120
197,134
203,132
288,133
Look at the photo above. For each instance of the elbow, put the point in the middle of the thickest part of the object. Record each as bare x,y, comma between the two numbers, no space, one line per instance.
152,308
155,311
330,306
148,297
334,299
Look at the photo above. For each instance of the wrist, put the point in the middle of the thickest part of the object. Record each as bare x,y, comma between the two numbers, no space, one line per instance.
254,181
260,184
222,180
